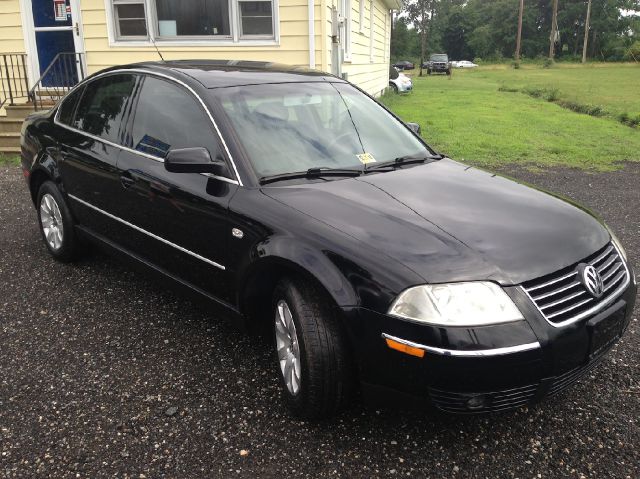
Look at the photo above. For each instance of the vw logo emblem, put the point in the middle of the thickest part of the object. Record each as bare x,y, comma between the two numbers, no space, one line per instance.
591,280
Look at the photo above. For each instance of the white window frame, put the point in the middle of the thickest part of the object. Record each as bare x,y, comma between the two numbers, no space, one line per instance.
234,38
361,19
116,25
273,27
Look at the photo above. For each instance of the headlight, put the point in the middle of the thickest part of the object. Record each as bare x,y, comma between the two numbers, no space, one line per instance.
617,244
456,304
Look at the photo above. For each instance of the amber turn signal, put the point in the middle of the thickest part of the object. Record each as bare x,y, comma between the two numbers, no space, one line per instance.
403,348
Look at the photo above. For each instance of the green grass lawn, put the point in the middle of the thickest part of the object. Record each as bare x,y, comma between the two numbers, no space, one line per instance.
468,118
9,159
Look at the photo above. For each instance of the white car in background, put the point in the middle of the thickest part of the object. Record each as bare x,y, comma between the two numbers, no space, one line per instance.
463,64
399,82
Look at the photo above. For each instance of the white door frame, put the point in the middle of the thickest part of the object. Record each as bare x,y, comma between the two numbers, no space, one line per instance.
29,34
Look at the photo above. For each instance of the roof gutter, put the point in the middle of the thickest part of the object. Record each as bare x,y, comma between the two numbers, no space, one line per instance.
393,4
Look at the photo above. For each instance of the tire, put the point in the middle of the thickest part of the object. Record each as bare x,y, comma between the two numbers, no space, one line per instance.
429,72
56,223
326,381
448,72
393,87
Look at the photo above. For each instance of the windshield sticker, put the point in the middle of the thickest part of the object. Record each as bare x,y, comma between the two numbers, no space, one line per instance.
366,158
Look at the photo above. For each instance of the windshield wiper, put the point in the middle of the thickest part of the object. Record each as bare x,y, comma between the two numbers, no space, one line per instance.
310,173
404,160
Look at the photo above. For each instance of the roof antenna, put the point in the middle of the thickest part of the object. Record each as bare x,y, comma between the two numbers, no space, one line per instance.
156,47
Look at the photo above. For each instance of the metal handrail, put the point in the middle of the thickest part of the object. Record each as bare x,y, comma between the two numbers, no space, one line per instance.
62,74
13,76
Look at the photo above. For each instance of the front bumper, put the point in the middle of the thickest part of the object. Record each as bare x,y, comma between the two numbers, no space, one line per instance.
483,369
405,87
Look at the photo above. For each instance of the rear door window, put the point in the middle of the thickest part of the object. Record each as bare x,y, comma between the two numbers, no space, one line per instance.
103,106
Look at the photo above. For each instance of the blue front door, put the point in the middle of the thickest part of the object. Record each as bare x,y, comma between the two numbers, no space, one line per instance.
54,31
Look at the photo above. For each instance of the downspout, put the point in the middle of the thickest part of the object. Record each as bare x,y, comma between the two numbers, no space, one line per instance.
312,34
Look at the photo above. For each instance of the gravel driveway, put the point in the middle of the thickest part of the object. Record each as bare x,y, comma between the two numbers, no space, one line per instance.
103,373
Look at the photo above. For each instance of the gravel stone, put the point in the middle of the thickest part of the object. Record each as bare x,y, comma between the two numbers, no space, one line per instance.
93,355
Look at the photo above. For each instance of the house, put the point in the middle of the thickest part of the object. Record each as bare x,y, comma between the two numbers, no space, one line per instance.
52,44
350,38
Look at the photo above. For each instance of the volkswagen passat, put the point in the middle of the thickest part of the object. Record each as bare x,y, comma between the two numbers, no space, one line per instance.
296,202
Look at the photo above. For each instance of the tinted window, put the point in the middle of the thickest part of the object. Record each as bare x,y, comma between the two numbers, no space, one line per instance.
68,106
168,117
102,106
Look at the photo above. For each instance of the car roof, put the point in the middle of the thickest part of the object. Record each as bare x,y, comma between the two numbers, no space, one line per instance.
228,73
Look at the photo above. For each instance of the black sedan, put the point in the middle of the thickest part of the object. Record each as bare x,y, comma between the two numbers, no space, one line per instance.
302,207
404,65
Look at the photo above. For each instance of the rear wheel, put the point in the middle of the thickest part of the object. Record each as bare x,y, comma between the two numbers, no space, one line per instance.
56,223
313,361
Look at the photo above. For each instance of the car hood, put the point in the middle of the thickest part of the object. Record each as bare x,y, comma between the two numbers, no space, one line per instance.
450,222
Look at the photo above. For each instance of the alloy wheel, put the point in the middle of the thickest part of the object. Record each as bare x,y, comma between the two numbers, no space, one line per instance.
288,347
51,221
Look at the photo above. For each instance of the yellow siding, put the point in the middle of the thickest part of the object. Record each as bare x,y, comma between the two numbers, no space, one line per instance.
11,36
293,47
371,76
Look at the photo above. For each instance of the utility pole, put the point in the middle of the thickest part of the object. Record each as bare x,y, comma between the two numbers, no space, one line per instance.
423,32
586,33
519,38
554,29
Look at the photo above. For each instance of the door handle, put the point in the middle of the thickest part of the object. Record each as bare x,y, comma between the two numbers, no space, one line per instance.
126,181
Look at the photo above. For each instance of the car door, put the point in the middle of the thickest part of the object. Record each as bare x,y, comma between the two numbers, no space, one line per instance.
181,219
89,138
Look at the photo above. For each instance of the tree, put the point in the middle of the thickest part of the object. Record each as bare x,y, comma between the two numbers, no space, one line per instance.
419,12
519,37
586,33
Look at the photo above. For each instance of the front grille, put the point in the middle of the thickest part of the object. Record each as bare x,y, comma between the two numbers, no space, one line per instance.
496,401
562,298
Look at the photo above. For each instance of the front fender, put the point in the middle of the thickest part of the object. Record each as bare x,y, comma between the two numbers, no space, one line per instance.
281,254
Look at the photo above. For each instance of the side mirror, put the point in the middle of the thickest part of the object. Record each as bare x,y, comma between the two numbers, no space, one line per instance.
194,160
415,127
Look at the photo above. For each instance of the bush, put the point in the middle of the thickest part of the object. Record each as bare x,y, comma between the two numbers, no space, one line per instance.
633,52
516,65
547,63
477,60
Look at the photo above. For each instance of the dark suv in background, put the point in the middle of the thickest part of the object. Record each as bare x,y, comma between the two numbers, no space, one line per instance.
438,63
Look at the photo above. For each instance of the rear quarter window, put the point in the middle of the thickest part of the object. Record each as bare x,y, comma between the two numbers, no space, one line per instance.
67,108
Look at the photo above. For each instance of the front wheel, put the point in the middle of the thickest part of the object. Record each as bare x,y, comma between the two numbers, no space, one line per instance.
428,72
393,87
313,360
56,223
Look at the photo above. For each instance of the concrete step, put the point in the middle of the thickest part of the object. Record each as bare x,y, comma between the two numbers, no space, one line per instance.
11,140
10,125
17,112
10,150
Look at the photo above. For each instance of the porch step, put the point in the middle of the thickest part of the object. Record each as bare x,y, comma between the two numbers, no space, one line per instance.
10,150
20,112
10,125
10,140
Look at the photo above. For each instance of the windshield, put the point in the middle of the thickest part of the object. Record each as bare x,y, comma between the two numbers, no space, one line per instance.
439,58
293,127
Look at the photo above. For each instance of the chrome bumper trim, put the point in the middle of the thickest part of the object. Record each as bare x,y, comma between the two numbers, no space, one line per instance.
466,353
